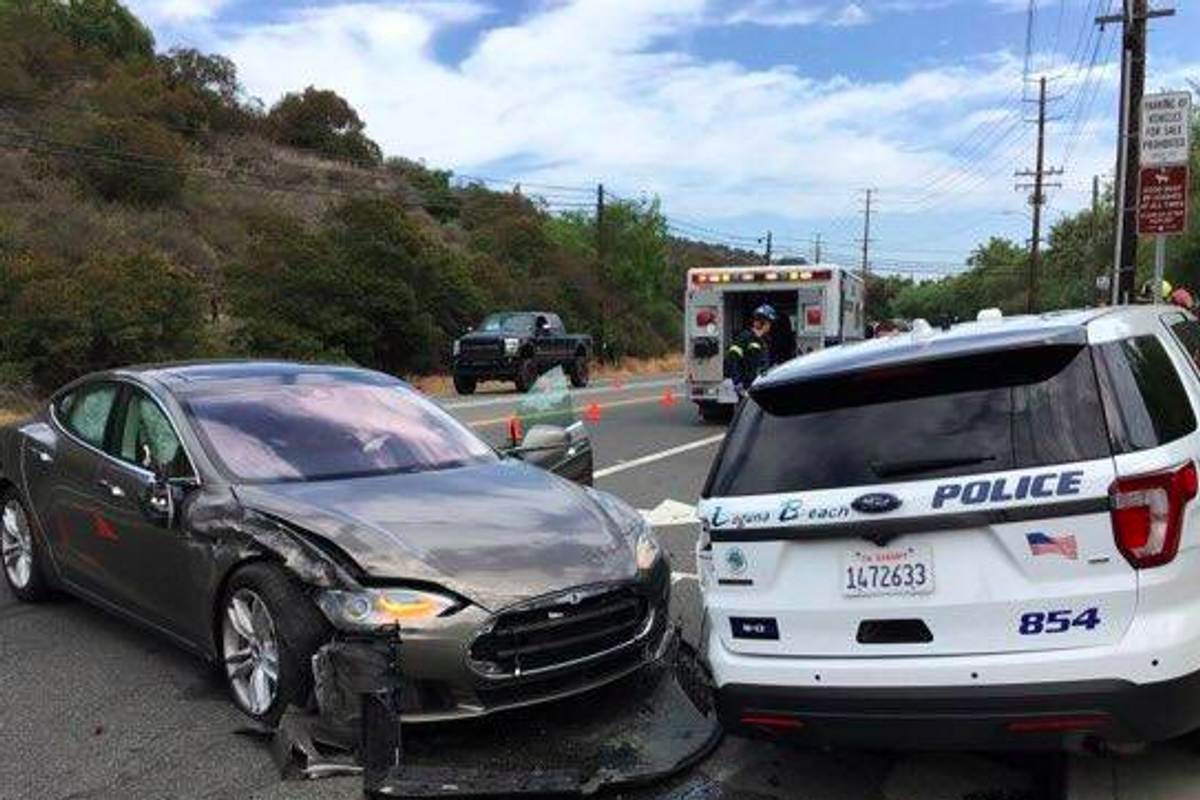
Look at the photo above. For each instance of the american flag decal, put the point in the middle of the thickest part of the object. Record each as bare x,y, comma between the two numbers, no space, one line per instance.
1042,544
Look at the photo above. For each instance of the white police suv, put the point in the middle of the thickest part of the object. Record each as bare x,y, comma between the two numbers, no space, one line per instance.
981,537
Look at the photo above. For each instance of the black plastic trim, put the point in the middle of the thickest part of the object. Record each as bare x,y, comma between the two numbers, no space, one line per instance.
959,717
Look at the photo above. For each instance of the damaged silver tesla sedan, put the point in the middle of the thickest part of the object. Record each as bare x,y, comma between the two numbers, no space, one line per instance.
255,512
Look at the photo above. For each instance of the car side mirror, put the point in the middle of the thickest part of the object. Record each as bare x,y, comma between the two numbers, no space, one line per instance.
563,451
545,438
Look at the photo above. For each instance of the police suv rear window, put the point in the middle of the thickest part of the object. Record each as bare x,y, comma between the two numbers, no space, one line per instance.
1145,399
959,426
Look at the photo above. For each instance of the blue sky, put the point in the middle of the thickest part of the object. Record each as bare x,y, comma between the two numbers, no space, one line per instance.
741,115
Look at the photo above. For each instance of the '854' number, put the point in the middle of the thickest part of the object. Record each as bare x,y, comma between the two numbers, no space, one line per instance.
1038,622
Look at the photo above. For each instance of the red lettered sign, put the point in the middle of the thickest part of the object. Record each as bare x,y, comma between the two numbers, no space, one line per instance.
1163,200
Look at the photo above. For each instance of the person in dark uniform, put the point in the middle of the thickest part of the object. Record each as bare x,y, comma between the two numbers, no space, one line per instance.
750,354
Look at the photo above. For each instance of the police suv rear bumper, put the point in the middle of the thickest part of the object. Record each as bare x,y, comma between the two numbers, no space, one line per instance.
1015,716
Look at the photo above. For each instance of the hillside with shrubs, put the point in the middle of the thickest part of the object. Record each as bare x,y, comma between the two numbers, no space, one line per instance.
150,210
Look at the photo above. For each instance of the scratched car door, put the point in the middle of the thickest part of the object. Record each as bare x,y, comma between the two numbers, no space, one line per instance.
155,563
62,471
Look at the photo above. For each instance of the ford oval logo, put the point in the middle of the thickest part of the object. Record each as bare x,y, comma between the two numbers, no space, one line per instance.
877,503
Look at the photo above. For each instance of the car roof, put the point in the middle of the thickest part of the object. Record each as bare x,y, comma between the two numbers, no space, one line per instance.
924,345
195,374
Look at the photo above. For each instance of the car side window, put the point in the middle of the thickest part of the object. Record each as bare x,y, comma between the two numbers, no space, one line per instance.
1143,394
146,438
1187,333
556,325
85,411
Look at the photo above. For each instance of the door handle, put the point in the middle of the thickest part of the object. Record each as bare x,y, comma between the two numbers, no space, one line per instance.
113,489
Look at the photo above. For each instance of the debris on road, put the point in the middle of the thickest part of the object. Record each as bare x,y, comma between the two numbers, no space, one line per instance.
636,732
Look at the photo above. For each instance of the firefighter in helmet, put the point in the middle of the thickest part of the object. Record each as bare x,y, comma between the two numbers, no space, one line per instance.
750,355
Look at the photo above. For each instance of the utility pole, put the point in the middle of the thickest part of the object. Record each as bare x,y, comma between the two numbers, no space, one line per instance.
767,255
817,250
1038,198
866,240
601,255
1133,18
866,247
1095,198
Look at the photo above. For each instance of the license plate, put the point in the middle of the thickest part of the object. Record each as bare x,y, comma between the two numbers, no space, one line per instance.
870,573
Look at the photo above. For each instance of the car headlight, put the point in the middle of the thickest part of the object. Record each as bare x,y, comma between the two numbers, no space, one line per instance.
369,609
456,347
648,549
511,346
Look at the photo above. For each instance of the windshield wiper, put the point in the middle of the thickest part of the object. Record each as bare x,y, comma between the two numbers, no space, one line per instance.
913,466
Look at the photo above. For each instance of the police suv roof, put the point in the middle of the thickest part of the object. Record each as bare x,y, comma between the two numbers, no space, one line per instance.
923,346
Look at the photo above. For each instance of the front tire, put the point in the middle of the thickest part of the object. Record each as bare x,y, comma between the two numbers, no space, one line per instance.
20,552
268,631
465,385
527,375
579,372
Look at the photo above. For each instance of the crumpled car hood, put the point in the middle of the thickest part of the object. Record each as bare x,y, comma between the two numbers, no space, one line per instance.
496,533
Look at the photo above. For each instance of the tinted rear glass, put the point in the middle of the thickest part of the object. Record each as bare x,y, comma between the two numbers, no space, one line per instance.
1147,403
314,429
1187,333
507,323
1056,420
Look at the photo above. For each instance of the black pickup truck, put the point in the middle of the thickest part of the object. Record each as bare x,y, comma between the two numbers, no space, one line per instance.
519,346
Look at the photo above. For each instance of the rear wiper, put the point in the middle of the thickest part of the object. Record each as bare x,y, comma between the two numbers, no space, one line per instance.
892,469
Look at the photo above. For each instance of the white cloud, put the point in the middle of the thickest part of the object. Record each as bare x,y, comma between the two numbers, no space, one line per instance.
587,90
798,13
582,90
850,16
175,12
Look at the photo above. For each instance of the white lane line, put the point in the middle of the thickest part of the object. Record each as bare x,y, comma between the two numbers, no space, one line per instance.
676,577
650,459
515,399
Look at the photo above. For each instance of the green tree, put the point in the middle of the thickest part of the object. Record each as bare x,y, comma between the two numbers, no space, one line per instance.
58,321
882,291
997,278
368,285
322,121
213,81
104,25
133,161
431,186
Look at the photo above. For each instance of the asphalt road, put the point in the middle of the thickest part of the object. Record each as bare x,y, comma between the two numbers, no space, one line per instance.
91,707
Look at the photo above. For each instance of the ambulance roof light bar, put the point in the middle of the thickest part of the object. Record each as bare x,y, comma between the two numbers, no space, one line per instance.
744,275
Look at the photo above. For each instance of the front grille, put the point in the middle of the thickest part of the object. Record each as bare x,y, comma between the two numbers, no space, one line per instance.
558,632
480,349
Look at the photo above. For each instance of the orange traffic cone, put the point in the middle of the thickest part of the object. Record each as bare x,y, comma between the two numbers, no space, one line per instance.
593,413
515,433
668,398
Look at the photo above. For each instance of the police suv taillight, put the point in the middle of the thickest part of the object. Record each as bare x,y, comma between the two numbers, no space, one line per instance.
1147,514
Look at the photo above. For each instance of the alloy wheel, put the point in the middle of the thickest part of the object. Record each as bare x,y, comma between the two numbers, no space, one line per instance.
16,545
251,651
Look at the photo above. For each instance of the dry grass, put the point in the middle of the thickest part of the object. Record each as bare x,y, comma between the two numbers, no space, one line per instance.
14,408
442,385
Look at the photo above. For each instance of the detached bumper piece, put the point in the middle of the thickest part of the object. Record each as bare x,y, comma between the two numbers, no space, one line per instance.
637,731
